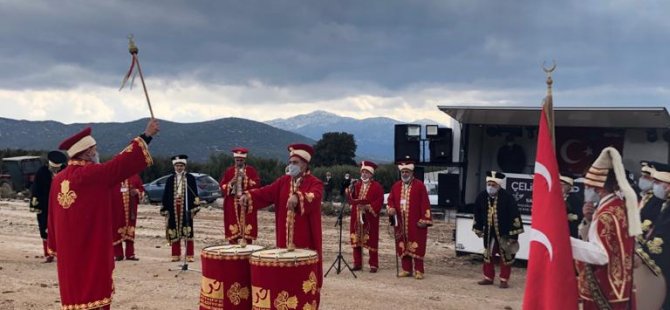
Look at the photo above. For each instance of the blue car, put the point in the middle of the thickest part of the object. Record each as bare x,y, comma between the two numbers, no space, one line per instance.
208,188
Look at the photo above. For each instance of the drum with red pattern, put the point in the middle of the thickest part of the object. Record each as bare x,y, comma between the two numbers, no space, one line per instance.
282,279
226,277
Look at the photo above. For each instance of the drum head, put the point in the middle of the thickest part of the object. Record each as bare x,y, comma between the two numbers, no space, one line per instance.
231,250
284,255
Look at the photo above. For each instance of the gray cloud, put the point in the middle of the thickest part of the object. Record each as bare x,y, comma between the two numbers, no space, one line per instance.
381,47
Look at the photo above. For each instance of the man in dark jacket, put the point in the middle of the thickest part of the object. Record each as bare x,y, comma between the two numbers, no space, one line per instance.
180,204
498,221
40,195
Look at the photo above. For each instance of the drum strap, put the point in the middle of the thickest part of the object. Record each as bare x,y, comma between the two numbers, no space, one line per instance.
594,287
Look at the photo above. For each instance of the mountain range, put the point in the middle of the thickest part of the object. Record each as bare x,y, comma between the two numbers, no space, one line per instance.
374,136
197,140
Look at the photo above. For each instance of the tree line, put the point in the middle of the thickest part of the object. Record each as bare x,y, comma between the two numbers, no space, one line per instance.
334,152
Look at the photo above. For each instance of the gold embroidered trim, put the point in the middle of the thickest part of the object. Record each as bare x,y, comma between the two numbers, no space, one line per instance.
274,263
145,151
91,305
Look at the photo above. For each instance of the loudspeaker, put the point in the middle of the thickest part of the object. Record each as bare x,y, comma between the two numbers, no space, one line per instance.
441,147
448,190
418,172
403,147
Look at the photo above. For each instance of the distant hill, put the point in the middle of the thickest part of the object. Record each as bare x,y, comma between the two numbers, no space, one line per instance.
197,140
374,136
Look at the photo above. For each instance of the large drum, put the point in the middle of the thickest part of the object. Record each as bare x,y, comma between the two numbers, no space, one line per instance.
226,277
650,288
283,280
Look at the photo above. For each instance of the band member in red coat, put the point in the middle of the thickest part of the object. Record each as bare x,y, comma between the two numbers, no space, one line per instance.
39,203
234,182
80,216
605,256
408,203
126,199
366,198
298,191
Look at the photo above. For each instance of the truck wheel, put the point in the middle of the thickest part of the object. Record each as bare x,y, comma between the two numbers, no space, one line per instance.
5,189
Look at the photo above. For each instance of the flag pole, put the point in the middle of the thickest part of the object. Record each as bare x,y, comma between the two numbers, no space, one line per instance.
548,106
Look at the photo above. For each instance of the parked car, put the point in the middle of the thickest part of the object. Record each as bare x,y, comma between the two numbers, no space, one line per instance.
208,188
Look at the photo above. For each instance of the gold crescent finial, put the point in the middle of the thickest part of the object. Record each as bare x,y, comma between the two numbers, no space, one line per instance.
132,48
549,70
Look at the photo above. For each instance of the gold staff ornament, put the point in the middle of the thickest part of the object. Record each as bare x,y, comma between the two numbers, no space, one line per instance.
135,62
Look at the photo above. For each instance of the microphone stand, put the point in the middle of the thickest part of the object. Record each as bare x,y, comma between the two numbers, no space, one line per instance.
340,259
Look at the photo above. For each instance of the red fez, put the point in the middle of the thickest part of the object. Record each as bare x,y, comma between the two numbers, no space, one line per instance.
369,166
303,151
78,143
240,152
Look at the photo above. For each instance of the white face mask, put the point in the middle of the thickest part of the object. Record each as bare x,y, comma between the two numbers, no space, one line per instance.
659,191
590,195
96,158
645,184
492,190
293,170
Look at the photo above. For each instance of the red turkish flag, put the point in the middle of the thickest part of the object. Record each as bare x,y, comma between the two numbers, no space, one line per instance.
551,282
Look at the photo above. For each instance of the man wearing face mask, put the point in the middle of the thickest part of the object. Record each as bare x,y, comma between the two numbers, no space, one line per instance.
654,244
650,205
39,203
498,221
572,205
605,256
299,192
80,216
180,204
234,182
408,202
366,199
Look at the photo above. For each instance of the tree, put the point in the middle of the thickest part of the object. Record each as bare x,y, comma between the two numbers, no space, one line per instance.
335,148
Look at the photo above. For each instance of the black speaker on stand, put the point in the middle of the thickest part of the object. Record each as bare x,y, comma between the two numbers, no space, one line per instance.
441,146
448,190
406,147
419,172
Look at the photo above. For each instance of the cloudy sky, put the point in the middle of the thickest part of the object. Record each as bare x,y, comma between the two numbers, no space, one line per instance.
64,60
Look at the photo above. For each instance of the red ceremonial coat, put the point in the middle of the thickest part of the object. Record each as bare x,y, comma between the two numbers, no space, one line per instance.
80,225
366,234
307,225
412,207
125,203
231,209
615,278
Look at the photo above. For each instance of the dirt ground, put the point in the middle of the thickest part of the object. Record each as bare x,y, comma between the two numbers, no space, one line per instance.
450,282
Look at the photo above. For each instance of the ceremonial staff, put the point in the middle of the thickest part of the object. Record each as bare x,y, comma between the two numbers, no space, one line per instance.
135,61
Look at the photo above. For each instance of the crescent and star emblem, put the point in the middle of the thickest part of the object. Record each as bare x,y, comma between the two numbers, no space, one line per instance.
564,151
